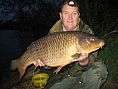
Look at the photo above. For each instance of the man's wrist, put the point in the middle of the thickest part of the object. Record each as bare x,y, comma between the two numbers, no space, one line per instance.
84,63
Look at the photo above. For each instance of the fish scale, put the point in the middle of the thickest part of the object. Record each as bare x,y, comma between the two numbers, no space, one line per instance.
57,50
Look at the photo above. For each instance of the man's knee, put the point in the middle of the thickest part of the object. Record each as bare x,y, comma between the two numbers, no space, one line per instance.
95,76
99,69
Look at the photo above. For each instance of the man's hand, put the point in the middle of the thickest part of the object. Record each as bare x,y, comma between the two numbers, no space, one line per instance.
39,63
83,59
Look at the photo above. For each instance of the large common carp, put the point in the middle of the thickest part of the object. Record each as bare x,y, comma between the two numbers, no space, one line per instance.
57,50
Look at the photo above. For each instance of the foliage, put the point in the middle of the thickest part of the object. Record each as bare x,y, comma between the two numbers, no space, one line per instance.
32,15
109,54
108,23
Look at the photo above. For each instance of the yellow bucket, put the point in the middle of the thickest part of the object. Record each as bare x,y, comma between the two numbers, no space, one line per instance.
40,80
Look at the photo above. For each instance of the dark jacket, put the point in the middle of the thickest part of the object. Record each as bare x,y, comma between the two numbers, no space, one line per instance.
73,69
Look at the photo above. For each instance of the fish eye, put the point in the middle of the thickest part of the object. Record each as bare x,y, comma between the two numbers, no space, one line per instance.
92,39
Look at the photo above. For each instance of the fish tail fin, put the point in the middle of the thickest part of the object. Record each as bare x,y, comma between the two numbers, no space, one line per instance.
13,65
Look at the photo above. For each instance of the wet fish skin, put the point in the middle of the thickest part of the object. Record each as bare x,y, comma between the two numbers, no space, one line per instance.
57,50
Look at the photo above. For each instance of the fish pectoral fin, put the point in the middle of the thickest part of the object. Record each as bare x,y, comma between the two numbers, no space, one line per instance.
58,69
76,55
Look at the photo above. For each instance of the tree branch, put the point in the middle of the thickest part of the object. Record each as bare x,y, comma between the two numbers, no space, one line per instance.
110,33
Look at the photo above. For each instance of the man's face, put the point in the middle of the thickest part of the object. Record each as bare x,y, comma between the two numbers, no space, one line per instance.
69,17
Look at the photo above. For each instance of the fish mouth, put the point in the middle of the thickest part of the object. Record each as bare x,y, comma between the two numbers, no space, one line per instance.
102,44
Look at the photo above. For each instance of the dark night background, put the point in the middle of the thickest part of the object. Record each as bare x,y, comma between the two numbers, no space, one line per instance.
24,21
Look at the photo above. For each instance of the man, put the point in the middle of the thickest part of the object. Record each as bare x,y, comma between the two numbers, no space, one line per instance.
87,71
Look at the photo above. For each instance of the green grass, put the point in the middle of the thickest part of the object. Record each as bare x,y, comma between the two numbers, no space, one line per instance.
109,54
